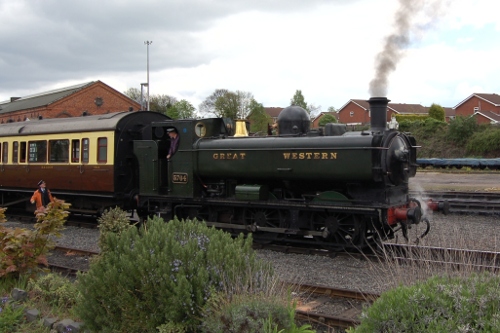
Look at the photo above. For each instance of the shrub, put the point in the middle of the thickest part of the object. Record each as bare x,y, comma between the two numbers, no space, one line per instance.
436,111
23,250
461,129
251,313
484,141
440,304
114,220
164,273
10,316
54,290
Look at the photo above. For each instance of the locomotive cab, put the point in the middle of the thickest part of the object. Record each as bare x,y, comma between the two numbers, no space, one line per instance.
175,177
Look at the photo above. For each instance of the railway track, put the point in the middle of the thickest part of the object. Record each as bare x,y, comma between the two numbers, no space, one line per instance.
465,202
331,307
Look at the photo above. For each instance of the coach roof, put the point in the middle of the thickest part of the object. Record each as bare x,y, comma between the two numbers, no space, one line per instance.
65,125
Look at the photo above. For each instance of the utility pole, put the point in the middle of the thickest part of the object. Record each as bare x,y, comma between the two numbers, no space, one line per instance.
148,43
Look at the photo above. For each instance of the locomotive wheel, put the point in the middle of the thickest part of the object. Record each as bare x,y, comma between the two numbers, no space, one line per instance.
268,218
340,230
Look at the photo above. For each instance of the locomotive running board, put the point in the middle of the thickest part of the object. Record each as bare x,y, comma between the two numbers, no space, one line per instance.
255,228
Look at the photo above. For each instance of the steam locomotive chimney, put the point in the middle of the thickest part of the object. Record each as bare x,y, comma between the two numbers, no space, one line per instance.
378,111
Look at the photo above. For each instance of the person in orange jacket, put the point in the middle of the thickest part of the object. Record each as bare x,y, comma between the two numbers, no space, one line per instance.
42,196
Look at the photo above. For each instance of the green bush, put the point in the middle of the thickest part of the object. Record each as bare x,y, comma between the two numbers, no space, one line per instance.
436,111
164,273
251,313
114,220
440,304
484,141
245,314
54,290
10,316
461,129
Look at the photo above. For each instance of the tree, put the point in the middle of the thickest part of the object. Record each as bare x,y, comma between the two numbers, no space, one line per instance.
259,119
436,111
298,99
327,118
161,103
245,99
207,107
133,93
182,110
227,106
225,103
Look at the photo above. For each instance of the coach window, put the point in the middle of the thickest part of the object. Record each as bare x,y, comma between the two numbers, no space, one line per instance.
59,151
85,150
75,151
37,151
102,150
5,152
15,151
22,155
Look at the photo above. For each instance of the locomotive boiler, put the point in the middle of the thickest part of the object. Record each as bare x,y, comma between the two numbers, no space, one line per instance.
332,188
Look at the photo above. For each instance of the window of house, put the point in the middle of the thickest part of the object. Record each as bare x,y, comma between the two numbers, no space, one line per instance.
75,150
59,151
351,113
37,151
102,150
22,152
15,151
85,150
5,152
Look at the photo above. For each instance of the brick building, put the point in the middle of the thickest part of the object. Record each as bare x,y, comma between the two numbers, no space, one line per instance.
357,111
89,98
484,107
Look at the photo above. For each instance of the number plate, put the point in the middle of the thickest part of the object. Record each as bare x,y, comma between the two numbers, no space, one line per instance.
179,178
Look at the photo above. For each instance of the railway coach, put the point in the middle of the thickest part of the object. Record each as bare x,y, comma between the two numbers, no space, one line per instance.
87,161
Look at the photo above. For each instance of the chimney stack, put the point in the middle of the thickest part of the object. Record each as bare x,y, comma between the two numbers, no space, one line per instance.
378,113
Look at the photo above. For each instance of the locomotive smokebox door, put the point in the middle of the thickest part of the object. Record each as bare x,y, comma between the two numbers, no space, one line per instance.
147,156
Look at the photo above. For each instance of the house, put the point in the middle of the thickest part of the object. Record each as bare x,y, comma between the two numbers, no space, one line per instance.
484,107
357,111
90,98
273,112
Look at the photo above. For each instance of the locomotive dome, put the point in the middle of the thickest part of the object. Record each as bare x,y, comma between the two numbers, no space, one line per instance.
293,120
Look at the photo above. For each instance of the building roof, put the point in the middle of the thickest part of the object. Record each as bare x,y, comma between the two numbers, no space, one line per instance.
273,112
494,117
490,98
41,99
402,108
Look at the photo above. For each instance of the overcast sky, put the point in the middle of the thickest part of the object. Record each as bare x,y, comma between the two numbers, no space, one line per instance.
270,48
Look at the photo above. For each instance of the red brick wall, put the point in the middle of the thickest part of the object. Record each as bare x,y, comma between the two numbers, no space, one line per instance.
360,115
75,104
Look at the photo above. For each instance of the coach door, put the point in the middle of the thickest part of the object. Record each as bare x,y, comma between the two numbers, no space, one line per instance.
146,152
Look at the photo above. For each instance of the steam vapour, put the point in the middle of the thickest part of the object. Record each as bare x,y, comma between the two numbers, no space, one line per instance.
395,44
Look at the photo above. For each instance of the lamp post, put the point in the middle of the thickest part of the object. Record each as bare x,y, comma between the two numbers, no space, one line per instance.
142,95
148,43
